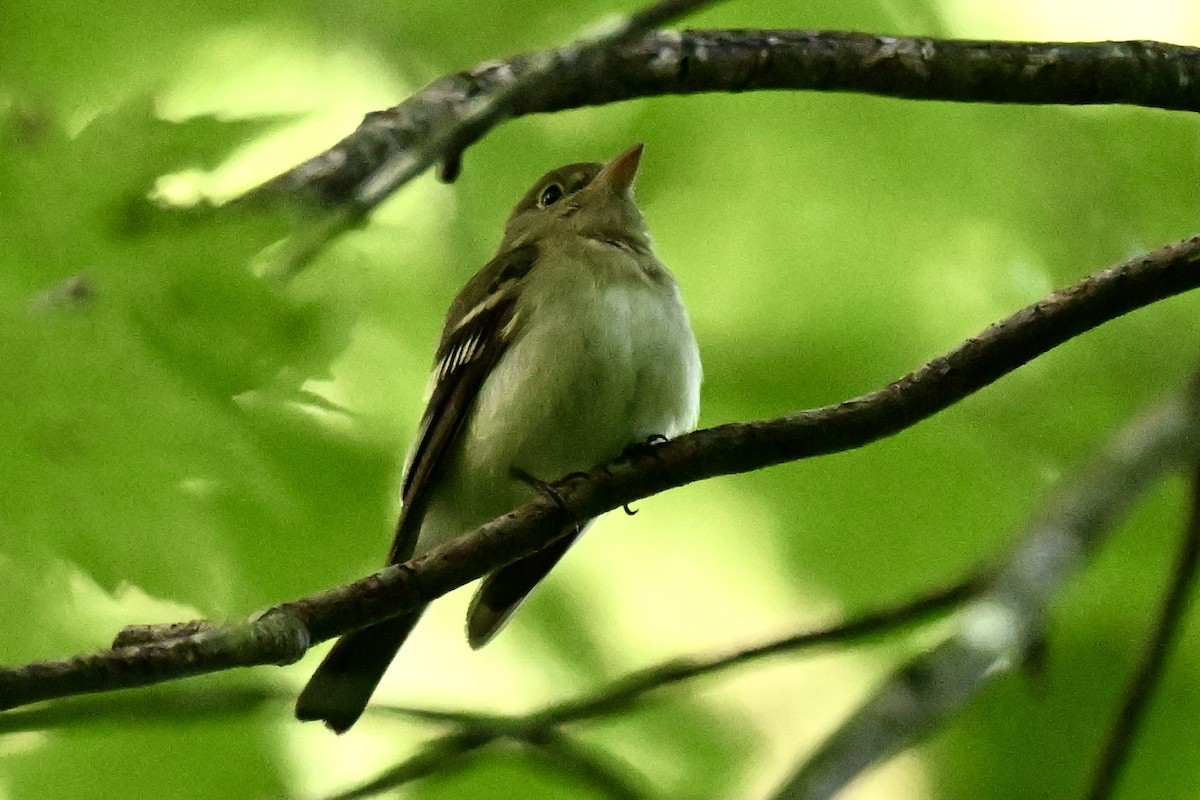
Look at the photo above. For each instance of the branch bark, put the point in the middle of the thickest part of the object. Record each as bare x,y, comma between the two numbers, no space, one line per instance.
452,113
284,633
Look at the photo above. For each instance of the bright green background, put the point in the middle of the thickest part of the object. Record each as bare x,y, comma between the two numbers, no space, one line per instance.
185,438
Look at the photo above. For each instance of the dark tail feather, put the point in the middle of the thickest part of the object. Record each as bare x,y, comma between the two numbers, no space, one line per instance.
338,691
502,592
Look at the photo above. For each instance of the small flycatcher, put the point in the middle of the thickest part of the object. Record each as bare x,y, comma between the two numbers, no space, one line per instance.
566,348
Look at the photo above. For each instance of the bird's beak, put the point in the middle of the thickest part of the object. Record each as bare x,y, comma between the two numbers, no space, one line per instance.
618,174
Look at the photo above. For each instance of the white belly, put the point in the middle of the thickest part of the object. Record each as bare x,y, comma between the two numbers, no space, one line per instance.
580,384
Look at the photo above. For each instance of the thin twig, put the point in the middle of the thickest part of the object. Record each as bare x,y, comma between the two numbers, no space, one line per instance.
602,771
1148,675
997,630
436,756
622,693
451,750
539,729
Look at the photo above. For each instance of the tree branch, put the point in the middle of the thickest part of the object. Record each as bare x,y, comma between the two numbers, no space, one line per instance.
391,148
271,639
436,756
451,750
455,111
998,630
1149,672
283,634
542,729
623,693
610,776
452,115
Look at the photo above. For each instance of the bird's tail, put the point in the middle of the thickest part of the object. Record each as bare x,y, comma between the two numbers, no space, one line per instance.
503,592
339,690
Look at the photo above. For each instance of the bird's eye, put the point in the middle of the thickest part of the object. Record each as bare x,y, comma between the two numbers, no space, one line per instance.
550,195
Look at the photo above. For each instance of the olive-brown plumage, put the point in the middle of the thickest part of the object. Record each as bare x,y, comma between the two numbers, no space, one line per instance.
568,346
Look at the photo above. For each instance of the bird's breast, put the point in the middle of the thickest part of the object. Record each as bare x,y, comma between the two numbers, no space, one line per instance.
604,357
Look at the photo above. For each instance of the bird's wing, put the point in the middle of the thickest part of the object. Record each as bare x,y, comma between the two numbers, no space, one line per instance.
482,323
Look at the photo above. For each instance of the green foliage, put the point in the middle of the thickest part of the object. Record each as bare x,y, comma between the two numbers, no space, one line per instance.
183,436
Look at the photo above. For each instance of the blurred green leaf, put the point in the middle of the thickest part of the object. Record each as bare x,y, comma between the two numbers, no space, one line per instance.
193,758
183,436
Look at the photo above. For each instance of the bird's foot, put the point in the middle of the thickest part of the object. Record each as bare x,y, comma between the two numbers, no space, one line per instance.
548,490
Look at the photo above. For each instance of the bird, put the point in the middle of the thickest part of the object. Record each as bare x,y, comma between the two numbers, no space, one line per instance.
569,347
